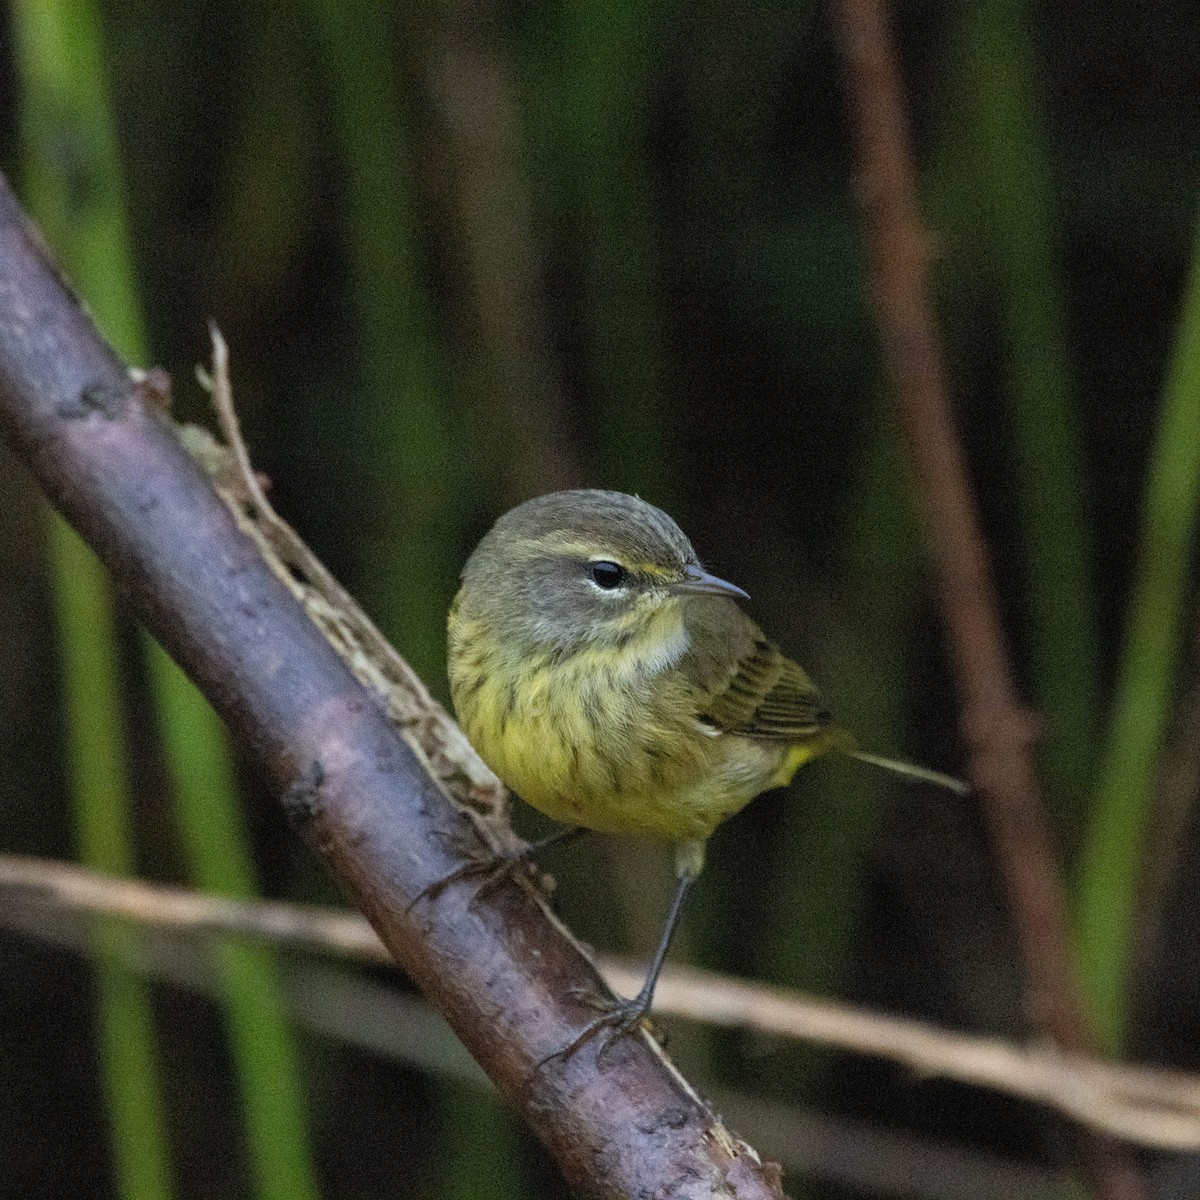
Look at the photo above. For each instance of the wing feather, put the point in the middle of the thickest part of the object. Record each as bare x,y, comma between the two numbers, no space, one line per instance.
766,695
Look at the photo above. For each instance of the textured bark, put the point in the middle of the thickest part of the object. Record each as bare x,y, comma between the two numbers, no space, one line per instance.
501,972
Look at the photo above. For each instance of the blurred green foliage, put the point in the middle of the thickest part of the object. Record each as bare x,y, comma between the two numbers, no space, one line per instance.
464,253
69,156
73,186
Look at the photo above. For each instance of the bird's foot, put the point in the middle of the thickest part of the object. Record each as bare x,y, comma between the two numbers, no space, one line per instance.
492,869
616,1020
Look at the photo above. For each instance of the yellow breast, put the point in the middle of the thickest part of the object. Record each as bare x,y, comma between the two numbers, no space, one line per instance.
607,739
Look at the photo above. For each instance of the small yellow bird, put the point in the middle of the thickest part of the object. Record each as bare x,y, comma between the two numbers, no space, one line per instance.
615,685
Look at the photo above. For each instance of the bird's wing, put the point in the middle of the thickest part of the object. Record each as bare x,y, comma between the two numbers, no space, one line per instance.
769,696
748,687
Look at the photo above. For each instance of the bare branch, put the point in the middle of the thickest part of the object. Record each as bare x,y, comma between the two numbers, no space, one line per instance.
374,661
998,730
363,796
1155,1108
380,1019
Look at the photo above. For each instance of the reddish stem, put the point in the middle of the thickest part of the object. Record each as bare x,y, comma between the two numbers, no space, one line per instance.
998,730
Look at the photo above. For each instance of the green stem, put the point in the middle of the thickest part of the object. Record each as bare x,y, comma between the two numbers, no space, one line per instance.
420,483
860,666
99,784
219,861
422,488
587,86
75,190
1108,875
1013,188
68,136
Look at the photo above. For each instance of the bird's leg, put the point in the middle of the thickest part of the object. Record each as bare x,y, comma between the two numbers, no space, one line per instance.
493,869
625,1016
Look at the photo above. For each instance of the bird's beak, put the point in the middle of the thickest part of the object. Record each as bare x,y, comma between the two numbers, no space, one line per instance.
695,580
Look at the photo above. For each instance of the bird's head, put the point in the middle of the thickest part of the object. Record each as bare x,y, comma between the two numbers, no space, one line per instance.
582,568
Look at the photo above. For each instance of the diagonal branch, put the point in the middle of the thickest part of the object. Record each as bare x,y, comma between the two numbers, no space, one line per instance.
998,730
360,791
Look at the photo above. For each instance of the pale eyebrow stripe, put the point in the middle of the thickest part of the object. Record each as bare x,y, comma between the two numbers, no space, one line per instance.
568,544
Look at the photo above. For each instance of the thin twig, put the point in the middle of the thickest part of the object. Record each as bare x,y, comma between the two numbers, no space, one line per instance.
372,658
1151,1107
998,730
376,1017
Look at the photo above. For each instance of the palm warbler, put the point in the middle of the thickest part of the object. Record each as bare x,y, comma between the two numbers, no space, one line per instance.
615,685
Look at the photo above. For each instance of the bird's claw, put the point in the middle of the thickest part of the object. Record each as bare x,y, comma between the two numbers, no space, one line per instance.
619,1019
491,869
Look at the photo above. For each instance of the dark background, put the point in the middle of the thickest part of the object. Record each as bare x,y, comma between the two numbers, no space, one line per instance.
467,253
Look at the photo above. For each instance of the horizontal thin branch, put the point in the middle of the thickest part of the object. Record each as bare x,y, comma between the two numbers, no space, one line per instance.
373,1015
1154,1108
302,926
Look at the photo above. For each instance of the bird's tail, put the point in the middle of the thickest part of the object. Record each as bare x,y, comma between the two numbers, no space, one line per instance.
843,742
911,771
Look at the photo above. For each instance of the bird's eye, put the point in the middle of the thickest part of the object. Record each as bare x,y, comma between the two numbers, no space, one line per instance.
606,575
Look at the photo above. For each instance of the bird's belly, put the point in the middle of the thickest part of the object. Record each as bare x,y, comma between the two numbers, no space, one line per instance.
609,759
